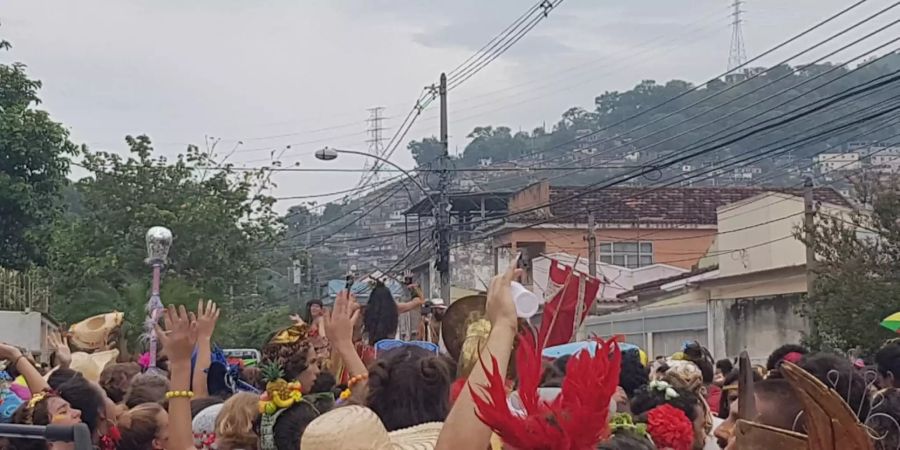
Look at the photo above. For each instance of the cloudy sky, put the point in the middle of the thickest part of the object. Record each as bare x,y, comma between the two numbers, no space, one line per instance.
262,75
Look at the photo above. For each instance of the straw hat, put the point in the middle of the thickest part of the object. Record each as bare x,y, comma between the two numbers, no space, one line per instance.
90,365
358,428
93,333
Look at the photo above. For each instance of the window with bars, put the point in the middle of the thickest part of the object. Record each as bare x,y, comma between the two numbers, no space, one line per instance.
627,254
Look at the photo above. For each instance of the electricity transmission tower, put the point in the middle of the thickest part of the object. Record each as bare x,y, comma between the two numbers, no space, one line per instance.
375,141
737,55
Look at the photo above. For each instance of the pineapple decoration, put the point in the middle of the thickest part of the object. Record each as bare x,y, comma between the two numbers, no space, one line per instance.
279,393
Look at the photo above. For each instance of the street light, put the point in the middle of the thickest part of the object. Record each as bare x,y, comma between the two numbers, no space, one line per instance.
330,154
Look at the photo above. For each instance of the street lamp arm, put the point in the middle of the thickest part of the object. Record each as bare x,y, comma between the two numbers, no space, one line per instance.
323,155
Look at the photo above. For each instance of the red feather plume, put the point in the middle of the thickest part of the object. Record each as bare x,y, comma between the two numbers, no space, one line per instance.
576,420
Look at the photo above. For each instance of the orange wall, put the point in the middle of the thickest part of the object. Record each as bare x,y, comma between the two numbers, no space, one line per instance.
530,197
676,247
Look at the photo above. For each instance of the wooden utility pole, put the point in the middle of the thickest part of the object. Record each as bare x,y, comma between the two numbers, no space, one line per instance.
809,230
591,238
442,215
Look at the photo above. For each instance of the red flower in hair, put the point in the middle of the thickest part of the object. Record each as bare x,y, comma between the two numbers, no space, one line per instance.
576,420
111,439
670,428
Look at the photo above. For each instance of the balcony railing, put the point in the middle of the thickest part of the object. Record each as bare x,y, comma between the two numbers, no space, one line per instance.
24,291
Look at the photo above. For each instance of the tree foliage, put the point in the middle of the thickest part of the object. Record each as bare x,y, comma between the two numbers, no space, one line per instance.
220,220
653,118
858,273
33,169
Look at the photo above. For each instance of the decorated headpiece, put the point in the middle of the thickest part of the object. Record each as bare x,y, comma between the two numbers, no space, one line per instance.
624,422
277,398
670,428
563,423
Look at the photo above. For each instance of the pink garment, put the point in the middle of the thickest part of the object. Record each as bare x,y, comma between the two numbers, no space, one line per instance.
20,391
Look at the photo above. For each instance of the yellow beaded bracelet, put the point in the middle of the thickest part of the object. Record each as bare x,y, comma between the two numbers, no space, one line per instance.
353,382
179,394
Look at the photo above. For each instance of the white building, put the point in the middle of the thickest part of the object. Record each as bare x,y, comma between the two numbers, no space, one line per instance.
749,302
886,160
831,162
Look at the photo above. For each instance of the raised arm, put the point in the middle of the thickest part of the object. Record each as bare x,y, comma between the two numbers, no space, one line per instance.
15,358
463,429
179,339
339,326
207,315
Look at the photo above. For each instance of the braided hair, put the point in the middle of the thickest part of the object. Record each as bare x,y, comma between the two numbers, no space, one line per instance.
410,386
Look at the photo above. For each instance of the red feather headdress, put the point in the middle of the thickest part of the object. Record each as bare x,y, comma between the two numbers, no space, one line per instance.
577,419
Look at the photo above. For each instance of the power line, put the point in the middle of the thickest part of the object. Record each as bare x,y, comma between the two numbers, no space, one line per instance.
718,77
499,37
739,135
660,119
460,78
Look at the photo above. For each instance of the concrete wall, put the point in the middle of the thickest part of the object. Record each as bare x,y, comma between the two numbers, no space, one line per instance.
532,197
28,330
757,325
759,233
472,265
660,331
676,247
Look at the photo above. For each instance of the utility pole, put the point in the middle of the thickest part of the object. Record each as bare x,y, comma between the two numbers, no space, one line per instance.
809,229
591,239
442,215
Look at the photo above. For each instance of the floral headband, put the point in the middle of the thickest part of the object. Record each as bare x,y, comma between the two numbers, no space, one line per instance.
35,399
624,422
662,386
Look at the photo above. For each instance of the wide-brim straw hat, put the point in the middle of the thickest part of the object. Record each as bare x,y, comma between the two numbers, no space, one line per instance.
359,428
93,333
90,365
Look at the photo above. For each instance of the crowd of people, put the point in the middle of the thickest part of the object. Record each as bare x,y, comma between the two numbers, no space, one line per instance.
339,378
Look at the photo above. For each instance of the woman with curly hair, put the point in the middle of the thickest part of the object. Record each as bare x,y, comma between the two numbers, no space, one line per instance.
659,393
292,351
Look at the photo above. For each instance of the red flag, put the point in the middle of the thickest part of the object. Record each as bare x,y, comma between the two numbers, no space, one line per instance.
566,288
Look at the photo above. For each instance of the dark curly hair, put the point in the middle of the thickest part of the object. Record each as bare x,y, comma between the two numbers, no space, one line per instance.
291,424
779,354
292,358
381,317
409,386
646,399
838,373
885,416
633,374
626,440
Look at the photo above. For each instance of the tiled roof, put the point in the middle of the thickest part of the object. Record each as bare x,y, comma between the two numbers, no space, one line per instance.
695,206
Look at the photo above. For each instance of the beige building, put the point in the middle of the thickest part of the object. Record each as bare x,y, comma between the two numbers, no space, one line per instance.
754,277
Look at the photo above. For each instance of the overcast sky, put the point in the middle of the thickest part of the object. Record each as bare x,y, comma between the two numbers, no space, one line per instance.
302,73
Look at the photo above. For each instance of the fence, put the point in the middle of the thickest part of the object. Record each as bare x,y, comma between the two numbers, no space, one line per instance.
24,291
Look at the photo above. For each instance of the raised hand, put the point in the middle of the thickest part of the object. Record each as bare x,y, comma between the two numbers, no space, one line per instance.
60,345
297,320
9,352
339,324
180,334
207,315
499,307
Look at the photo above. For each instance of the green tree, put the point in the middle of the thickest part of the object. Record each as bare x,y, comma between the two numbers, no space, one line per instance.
33,169
425,151
220,219
858,274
